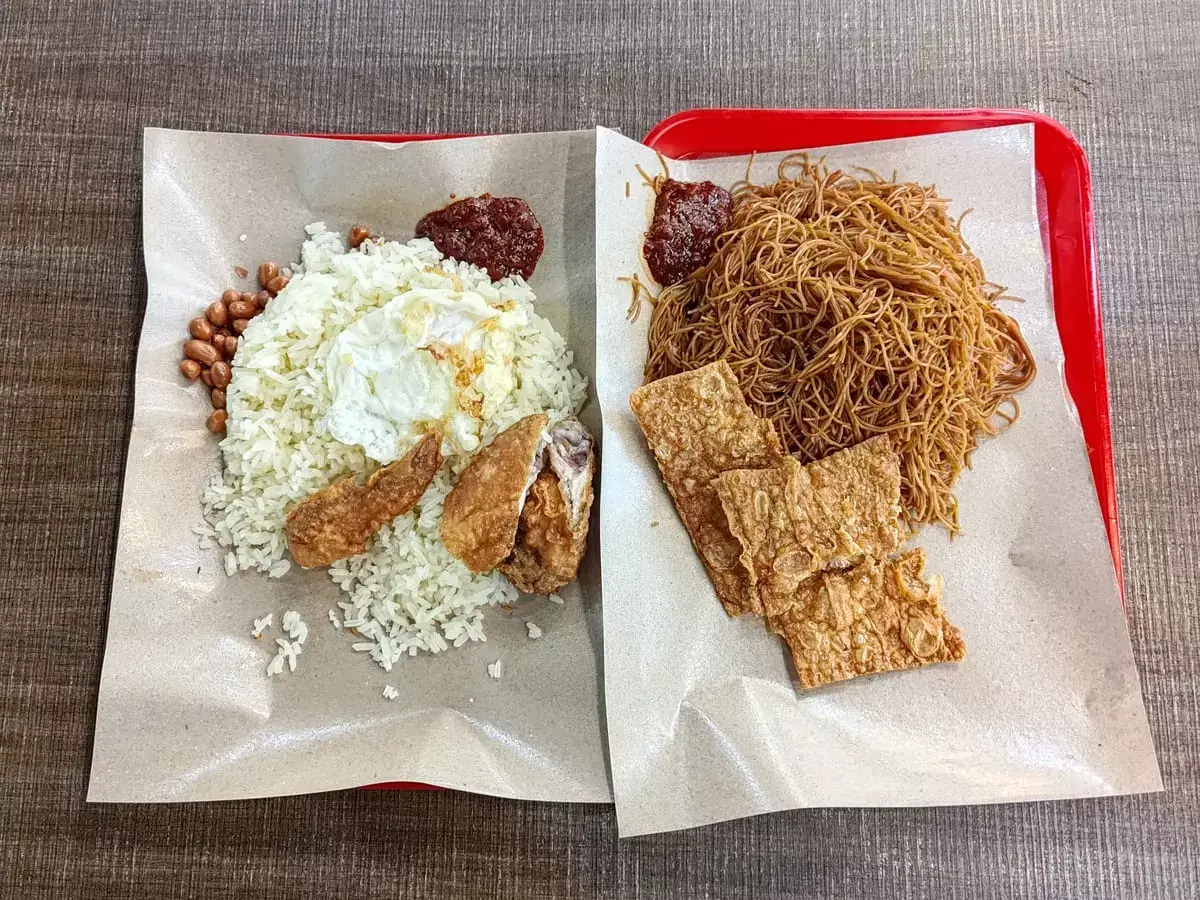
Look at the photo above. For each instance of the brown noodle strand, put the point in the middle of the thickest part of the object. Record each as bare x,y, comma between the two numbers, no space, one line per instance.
637,289
651,180
849,306
654,181
662,161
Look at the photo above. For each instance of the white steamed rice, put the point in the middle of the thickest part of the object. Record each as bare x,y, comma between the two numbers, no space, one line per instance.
406,594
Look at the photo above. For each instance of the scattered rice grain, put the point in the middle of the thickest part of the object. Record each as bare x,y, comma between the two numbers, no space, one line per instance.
261,625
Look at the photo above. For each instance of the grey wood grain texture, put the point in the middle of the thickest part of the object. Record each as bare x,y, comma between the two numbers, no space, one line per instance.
79,80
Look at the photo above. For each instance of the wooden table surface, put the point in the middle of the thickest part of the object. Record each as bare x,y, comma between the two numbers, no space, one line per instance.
78,82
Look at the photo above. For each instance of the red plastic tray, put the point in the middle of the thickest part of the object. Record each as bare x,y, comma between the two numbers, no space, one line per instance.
1063,167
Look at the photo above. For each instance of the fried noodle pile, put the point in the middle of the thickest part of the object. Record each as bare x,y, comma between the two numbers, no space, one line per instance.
850,307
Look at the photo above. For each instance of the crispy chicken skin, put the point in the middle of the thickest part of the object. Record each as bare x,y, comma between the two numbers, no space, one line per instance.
337,522
479,522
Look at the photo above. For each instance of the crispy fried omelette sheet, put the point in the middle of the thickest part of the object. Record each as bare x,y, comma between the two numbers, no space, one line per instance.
857,491
875,617
793,521
479,520
768,512
699,425
337,522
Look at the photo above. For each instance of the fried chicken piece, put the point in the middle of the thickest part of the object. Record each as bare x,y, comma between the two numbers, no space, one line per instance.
552,533
337,522
479,520
546,555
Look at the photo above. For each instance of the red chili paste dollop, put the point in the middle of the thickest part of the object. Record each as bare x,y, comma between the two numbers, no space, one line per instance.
688,216
500,234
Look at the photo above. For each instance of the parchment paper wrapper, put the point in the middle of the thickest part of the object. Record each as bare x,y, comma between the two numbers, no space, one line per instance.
705,722
185,711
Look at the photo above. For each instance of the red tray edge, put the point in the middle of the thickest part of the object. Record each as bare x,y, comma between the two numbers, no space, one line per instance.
386,138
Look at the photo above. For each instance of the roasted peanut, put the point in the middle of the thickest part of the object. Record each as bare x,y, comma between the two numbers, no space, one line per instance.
221,374
190,369
239,325
201,329
240,309
262,298
277,284
230,295
206,377
216,421
218,398
266,272
229,349
358,234
217,313
201,351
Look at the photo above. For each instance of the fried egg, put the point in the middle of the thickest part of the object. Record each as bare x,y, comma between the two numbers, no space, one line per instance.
430,358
